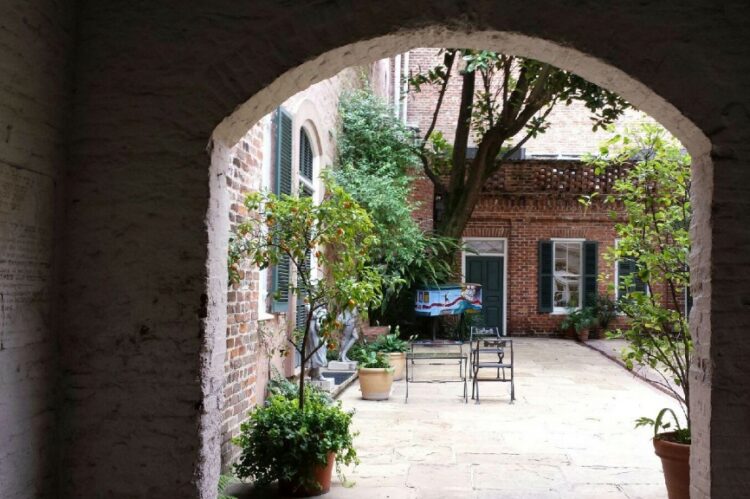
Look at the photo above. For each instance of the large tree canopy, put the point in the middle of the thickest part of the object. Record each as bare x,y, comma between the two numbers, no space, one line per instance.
505,101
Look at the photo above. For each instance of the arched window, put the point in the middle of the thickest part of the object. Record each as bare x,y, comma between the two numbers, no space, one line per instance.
305,164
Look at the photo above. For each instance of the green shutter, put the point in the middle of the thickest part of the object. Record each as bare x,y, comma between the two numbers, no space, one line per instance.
625,268
590,271
546,270
282,185
305,156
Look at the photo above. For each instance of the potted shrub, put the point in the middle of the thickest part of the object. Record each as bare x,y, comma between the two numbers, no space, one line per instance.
606,311
655,237
297,447
293,438
375,375
395,349
582,320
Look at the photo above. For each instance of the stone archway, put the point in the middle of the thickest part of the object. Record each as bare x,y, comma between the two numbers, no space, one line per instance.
232,128
142,361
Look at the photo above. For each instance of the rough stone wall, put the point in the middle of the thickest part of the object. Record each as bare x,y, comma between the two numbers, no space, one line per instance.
35,42
143,333
570,131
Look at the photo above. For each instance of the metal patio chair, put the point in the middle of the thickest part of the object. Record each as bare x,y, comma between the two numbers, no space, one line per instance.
489,341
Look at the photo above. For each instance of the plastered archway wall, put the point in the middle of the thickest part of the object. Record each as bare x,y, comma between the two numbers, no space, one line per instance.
142,271
366,51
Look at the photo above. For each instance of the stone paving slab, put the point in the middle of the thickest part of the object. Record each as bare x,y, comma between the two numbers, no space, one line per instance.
568,435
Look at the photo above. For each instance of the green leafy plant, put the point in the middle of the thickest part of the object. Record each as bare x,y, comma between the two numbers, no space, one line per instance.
338,232
655,195
285,441
224,482
664,429
371,359
377,164
605,309
390,343
580,319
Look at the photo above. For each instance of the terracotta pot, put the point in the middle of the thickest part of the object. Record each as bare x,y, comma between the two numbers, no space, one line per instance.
583,335
375,383
322,476
398,362
675,460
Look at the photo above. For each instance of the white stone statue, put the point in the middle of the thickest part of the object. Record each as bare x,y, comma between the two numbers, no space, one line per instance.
318,359
349,320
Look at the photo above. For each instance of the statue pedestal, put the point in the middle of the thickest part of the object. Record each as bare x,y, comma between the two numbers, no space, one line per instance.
337,365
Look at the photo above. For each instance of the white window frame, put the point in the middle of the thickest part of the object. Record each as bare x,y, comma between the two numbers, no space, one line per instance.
504,255
265,184
564,310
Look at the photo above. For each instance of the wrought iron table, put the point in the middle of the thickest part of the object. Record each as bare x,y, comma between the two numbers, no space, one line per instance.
434,358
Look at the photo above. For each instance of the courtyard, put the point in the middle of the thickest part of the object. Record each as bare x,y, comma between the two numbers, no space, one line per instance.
568,435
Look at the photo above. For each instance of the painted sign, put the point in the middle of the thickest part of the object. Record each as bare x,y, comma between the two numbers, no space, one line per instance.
449,299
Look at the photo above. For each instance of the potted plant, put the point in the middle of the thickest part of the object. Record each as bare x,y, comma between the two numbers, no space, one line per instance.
375,375
582,320
293,438
655,237
395,349
673,448
606,310
301,460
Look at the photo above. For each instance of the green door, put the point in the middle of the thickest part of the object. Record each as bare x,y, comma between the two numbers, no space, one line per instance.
488,271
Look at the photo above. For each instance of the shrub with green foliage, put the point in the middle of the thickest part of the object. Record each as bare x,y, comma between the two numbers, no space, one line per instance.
656,197
376,164
282,442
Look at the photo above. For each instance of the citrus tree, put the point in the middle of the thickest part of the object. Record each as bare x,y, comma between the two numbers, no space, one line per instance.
338,232
655,195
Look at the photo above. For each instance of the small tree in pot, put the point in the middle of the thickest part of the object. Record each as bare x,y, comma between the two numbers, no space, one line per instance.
655,239
338,232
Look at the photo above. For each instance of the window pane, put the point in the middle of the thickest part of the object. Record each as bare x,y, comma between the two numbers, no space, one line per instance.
567,275
485,245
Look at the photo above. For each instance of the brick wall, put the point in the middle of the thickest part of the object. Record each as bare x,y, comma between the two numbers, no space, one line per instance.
252,334
142,299
529,201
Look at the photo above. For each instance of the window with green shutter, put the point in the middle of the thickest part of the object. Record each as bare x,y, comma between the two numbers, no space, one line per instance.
590,271
305,189
546,257
282,185
567,274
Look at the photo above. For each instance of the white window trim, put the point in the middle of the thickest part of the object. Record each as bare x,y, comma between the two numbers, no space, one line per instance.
504,255
265,184
564,310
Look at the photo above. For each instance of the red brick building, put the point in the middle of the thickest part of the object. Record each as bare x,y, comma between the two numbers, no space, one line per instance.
539,250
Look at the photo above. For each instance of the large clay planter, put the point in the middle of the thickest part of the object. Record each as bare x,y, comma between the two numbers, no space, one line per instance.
375,382
322,476
675,460
398,363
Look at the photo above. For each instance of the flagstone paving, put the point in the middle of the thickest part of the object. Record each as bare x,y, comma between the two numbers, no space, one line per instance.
568,435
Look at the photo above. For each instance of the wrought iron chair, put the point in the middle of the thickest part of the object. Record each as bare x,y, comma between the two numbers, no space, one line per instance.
489,341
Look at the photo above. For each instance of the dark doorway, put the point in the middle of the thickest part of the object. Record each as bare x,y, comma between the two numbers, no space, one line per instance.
488,271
